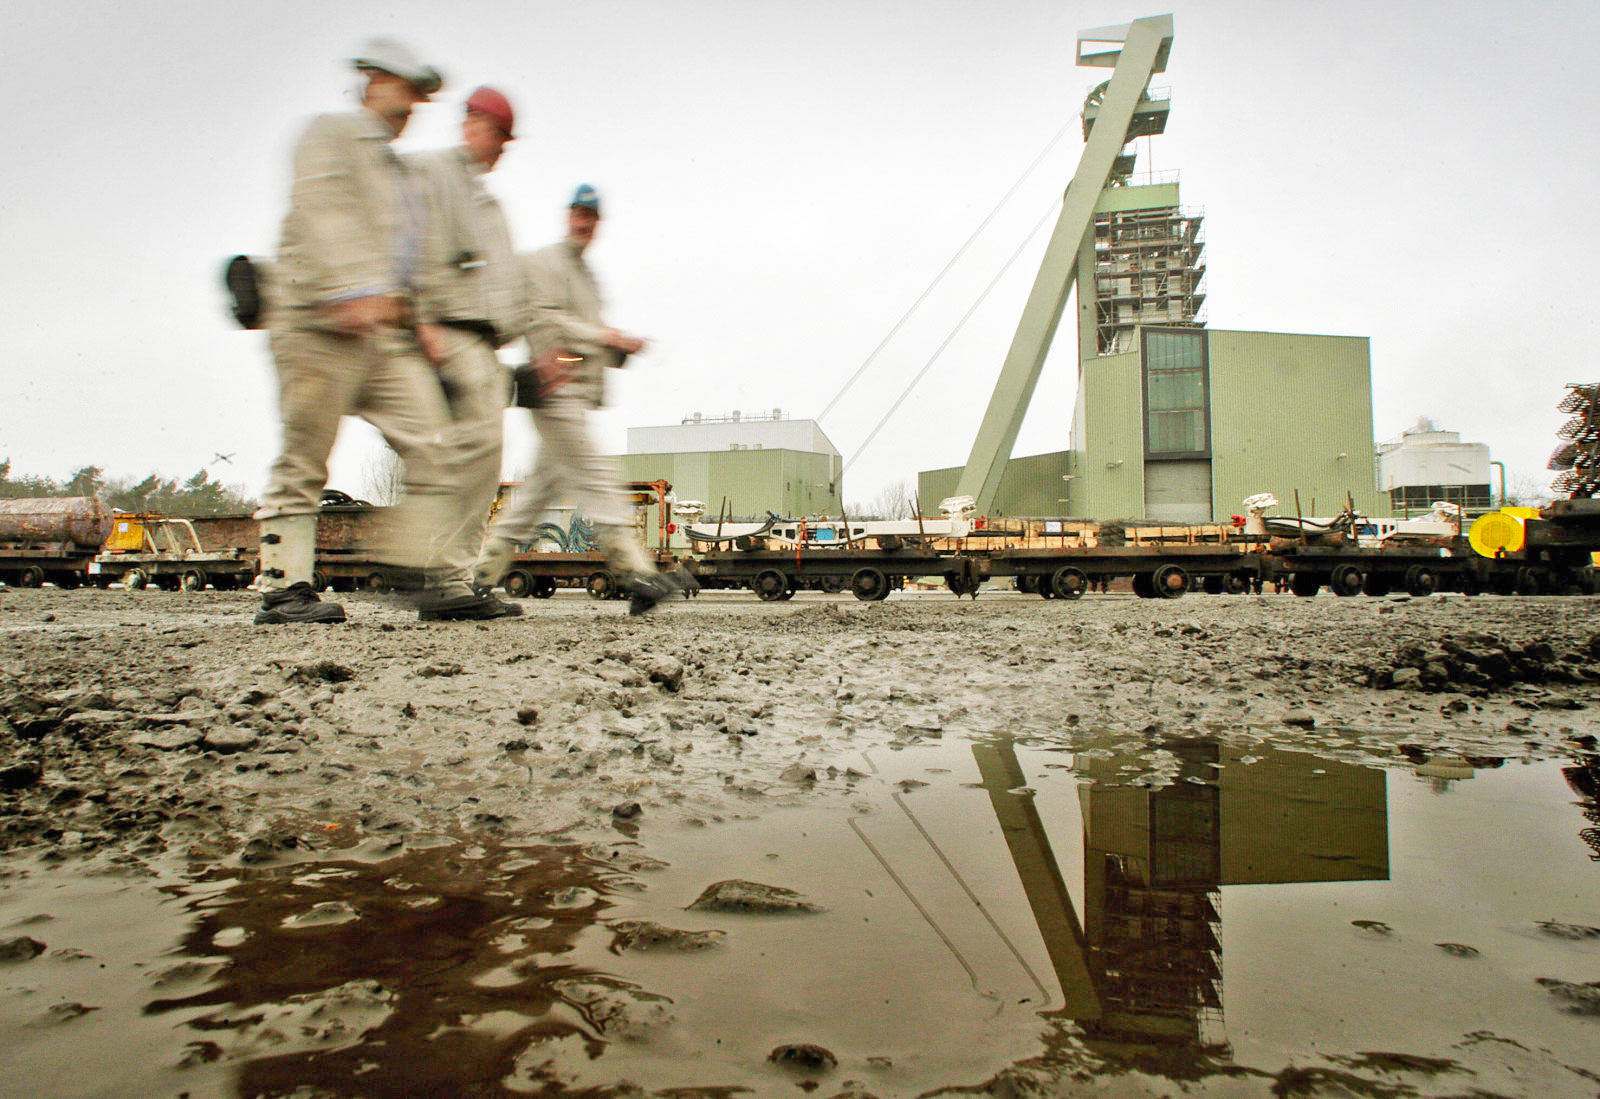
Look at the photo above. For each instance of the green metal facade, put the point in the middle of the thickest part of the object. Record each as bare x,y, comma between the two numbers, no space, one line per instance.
793,483
1031,486
1287,412
1108,439
1291,412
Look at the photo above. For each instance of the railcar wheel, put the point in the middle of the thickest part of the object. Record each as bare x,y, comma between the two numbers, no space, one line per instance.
1421,581
1234,584
135,579
1045,589
376,581
517,584
1345,580
1068,583
601,585
31,576
869,585
1170,582
1530,582
1143,585
195,580
1305,584
769,585
544,587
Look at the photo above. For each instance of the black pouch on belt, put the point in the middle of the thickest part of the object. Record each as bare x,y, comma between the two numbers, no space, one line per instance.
529,394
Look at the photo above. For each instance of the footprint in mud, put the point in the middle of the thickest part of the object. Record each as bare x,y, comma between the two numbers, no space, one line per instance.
1373,927
1458,950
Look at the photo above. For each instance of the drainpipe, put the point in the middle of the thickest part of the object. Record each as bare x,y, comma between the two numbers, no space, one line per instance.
1502,466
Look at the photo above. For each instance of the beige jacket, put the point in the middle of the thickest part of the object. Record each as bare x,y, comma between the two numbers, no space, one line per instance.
348,231
565,303
467,272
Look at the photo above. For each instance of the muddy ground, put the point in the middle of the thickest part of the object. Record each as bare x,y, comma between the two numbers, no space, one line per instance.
532,775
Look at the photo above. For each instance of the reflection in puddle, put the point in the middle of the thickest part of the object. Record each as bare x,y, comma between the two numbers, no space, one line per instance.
1009,911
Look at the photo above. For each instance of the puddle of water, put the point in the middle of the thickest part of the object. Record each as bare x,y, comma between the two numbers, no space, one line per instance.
1180,909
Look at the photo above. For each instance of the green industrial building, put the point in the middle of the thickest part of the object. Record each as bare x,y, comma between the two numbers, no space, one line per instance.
1173,421
1187,422
746,463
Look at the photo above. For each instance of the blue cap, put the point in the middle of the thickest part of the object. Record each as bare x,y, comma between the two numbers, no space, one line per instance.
587,197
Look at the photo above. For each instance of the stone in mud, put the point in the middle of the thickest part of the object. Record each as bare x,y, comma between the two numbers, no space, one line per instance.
647,936
321,671
799,773
20,949
1372,927
804,1056
628,810
440,668
1302,721
735,895
665,670
527,714
19,776
1571,931
170,739
1458,950
67,1011
1405,678
616,1009
1580,999
230,739
323,914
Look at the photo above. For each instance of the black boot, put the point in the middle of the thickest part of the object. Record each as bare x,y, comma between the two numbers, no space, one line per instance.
475,605
647,589
296,603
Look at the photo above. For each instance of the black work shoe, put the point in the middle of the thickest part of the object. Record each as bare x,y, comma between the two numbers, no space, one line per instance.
296,603
648,589
473,607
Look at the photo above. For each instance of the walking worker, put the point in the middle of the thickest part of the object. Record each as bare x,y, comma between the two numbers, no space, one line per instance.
571,348
468,303
341,332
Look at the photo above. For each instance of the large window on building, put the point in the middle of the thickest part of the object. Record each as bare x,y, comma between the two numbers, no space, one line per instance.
1176,415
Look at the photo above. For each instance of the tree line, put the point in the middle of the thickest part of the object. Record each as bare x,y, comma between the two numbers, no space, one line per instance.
155,494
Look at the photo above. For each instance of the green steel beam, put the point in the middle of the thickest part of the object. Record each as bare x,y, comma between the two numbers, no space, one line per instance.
1145,45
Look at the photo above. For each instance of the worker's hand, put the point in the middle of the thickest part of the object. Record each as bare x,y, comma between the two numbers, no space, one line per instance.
621,341
361,316
431,337
555,369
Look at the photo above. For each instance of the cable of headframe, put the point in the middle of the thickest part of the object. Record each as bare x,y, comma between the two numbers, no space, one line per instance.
927,366
899,324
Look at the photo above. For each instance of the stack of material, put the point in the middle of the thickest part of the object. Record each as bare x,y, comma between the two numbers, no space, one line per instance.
1578,458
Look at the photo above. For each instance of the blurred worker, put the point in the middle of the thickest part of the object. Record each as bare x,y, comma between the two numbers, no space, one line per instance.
341,331
571,348
468,303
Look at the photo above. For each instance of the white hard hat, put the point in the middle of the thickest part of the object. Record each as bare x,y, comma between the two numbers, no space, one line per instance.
392,56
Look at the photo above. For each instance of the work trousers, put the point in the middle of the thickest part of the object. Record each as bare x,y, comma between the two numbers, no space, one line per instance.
571,467
477,390
383,378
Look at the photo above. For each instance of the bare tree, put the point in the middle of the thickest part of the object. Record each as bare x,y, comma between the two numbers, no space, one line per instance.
1528,491
892,502
383,478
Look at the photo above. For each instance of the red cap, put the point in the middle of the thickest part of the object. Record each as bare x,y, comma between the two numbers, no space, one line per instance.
496,107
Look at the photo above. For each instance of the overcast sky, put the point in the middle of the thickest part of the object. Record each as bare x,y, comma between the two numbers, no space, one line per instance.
782,179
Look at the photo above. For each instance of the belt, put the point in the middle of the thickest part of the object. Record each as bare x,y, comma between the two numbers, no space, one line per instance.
477,328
